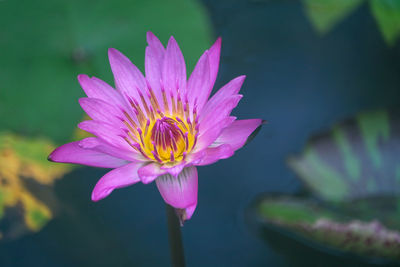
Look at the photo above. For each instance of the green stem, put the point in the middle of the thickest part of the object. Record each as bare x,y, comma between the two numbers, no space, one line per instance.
175,238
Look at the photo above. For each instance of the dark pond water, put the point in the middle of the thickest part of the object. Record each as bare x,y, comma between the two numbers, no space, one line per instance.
298,81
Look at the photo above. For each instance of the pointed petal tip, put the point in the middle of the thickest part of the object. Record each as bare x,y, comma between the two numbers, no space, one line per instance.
172,39
218,42
52,157
82,77
117,178
99,195
150,36
49,157
181,192
185,214
112,50
114,53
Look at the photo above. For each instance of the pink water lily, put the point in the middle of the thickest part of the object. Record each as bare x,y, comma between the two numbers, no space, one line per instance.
158,127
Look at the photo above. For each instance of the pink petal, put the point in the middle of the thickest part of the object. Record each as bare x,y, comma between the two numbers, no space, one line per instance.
199,88
237,133
117,178
128,78
206,138
153,75
174,69
220,112
107,132
180,192
99,145
230,89
148,173
214,55
100,110
153,64
175,170
155,43
73,153
213,154
96,88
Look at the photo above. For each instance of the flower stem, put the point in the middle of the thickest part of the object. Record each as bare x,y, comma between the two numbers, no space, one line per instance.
175,238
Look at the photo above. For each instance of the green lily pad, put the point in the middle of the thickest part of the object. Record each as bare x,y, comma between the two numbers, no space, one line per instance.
352,204
46,44
387,15
323,228
355,159
325,14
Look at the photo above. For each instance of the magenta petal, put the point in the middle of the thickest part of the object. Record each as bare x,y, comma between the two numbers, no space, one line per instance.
174,68
175,170
117,178
214,55
128,78
155,43
220,112
96,88
229,90
199,88
237,133
206,138
213,154
180,192
154,59
153,73
100,110
107,132
148,173
99,145
73,153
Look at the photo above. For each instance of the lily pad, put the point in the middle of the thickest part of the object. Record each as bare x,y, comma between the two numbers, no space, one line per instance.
326,14
325,229
27,201
46,44
387,15
357,158
352,204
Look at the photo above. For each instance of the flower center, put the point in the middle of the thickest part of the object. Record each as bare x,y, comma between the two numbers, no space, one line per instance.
168,139
165,136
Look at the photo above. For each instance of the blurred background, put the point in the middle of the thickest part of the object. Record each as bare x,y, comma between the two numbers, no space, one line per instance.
318,186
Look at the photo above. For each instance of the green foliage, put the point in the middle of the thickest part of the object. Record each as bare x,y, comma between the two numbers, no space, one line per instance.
318,224
354,170
325,14
46,44
355,159
387,15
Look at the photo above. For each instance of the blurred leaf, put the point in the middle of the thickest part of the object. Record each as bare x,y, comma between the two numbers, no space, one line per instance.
357,158
355,171
46,44
387,15
318,226
24,162
325,14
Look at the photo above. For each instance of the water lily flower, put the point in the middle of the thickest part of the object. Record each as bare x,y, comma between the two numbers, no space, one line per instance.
160,126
